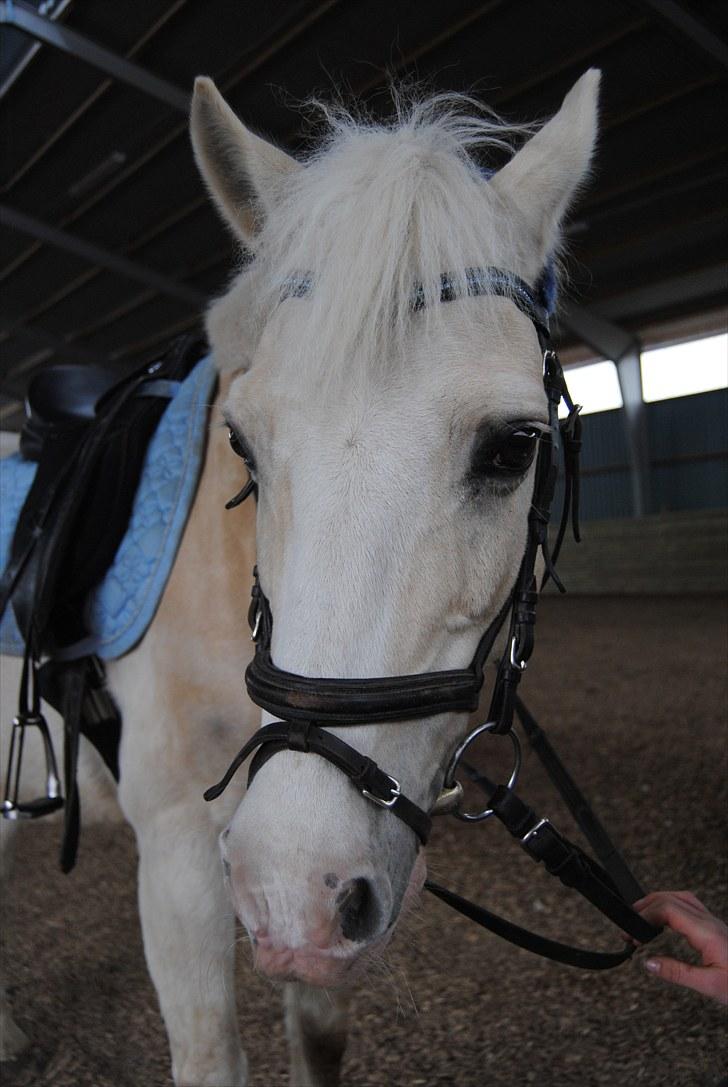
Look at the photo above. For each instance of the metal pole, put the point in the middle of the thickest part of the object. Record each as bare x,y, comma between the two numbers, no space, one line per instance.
629,372
24,17
624,349
18,220
691,28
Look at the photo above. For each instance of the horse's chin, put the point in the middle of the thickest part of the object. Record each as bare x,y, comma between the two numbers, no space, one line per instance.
337,968
340,966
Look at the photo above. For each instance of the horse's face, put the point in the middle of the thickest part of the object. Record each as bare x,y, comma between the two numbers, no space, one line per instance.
392,518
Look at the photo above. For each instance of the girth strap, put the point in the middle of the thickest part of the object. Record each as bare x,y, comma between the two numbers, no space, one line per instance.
74,682
371,781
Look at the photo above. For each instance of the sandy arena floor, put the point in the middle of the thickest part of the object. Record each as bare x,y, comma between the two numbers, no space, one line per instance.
633,694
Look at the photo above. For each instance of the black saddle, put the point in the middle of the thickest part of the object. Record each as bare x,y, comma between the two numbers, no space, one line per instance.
88,431
60,394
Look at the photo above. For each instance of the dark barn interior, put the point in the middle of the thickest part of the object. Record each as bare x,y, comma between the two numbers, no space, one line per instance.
109,247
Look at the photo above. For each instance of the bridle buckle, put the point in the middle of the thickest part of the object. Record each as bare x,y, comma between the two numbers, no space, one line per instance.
395,790
534,831
519,665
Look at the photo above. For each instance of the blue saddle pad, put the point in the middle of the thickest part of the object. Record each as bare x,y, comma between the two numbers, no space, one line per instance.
122,606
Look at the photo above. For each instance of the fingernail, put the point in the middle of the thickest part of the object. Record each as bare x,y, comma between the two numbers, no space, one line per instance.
653,966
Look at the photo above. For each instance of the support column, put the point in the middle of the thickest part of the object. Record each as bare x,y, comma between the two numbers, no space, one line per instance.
629,372
624,349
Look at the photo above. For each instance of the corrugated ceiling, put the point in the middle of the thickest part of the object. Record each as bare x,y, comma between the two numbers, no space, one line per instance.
89,158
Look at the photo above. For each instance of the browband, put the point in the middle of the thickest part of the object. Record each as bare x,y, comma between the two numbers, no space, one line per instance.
479,282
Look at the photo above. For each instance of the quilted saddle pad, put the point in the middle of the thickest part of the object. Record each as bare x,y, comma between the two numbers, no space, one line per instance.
122,606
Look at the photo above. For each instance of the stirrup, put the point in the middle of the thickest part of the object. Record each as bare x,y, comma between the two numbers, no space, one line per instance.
12,808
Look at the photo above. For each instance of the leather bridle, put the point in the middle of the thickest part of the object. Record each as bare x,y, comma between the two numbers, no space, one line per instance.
305,704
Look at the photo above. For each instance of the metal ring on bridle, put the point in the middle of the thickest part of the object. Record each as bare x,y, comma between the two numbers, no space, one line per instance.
477,817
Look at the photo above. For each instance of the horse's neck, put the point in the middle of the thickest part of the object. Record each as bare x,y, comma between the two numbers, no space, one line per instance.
182,692
221,477
209,587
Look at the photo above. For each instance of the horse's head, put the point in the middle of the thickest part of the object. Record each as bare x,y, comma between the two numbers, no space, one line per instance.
391,427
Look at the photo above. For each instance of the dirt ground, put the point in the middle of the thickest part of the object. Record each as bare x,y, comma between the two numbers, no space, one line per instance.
633,694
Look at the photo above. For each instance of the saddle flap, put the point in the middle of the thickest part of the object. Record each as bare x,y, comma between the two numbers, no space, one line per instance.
64,393
60,399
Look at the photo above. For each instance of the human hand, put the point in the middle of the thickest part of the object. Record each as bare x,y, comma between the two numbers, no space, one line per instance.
684,913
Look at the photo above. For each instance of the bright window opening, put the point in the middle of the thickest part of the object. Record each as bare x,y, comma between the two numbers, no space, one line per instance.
685,368
595,387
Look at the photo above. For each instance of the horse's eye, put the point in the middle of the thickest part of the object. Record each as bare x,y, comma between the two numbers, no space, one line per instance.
240,449
507,454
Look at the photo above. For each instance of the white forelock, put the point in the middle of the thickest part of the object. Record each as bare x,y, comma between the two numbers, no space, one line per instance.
377,210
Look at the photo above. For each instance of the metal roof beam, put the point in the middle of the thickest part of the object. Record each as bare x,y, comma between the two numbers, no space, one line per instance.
692,287
284,35
35,336
94,254
690,27
30,51
604,337
41,345
26,18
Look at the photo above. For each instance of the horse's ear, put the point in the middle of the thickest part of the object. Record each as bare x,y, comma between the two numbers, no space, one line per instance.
543,177
242,171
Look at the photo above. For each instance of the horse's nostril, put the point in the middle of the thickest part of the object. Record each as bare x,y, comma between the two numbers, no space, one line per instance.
358,909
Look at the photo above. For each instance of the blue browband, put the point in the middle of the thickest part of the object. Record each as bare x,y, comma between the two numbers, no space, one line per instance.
492,281
536,303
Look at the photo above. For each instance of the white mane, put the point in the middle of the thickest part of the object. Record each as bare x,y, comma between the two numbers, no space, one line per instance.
378,210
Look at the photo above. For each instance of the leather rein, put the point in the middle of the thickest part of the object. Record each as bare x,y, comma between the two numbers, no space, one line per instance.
304,704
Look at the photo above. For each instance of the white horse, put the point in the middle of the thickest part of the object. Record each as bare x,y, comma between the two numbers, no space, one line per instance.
387,538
